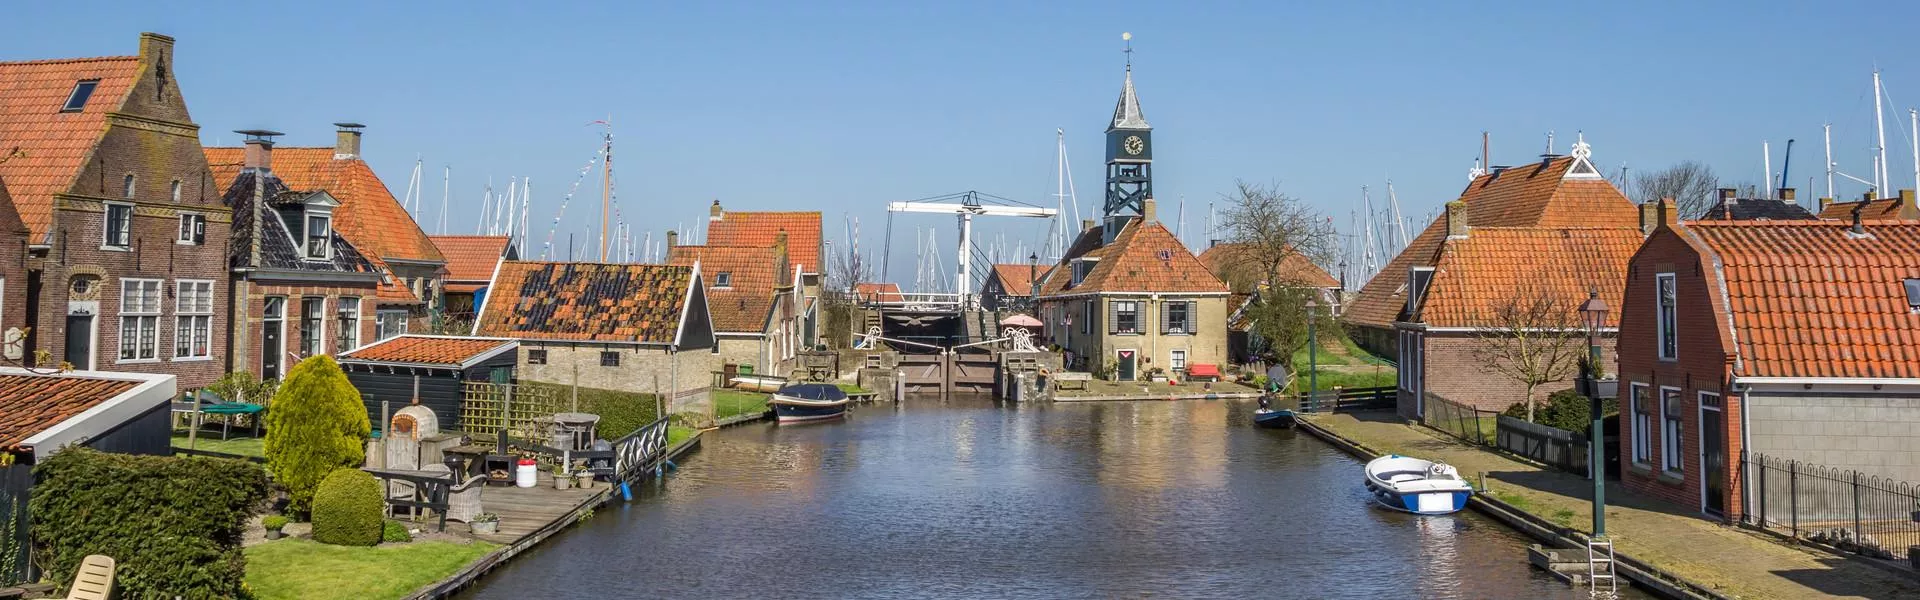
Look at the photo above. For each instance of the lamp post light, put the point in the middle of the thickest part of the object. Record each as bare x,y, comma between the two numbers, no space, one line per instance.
1593,315
1033,281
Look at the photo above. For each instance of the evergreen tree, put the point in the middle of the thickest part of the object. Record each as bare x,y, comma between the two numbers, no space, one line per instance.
317,424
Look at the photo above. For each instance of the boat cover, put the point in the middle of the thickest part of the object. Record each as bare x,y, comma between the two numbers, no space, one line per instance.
820,392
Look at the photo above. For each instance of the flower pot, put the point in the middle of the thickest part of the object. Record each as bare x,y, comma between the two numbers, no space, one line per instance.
484,527
584,481
561,482
274,534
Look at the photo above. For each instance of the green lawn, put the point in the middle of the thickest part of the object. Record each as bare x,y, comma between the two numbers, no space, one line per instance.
1331,379
852,389
679,433
730,403
243,446
307,570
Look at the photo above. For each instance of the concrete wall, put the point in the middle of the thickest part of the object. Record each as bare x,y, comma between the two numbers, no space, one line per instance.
645,369
1873,434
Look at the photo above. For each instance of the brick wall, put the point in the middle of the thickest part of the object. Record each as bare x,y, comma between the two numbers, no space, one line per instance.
1457,372
645,369
1701,366
250,356
13,269
740,351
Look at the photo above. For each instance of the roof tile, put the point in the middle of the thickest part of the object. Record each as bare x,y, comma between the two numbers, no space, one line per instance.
369,215
41,148
752,228
471,258
426,350
587,302
752,274
29,404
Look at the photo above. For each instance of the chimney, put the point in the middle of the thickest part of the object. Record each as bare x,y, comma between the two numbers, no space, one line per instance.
1669,212
1907,209
1726,194
1785,195
781,261
1456,220
346,142
1824,202
673,238
1867,196
1086,224
1858,230
1146,211
259,152
1649,217
714,213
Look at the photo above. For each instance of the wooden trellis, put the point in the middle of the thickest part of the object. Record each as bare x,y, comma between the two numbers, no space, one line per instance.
487,407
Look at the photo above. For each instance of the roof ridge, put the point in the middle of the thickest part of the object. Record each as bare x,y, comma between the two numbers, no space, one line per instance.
55,61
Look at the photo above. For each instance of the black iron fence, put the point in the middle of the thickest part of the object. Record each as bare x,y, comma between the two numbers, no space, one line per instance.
1460,420
1348,400
1847,509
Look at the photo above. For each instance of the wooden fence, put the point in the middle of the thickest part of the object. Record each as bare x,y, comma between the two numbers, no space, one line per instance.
14,481
486,408
1559,448
1348,400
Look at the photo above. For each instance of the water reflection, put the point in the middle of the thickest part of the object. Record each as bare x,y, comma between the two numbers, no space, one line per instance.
966,498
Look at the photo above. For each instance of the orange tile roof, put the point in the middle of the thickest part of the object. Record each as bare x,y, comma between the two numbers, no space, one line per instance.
1143,258
1016,278
878,292
1878,209
369,216
751,228
42,149
29,404
752,275
471,258
1806,299
429,350
1296,269
587,302
1531,195
1476,275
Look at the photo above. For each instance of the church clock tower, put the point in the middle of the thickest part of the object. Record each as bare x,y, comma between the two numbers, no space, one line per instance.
1129,158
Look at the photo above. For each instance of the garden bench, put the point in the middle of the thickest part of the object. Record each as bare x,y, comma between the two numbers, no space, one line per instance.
1060,379
1207,371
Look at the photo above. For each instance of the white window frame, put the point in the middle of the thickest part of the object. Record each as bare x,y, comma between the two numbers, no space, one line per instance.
306,230
1114,327
348,334
1672,426
146,325
90,85
1666,316
1187,307
380,324
723,279
193,321
1640,423
193,229
106,227
319,342
1177,359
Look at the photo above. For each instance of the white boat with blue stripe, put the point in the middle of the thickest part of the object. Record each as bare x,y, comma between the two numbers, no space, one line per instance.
1417,486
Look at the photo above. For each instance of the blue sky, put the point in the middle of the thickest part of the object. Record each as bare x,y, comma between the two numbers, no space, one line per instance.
842,107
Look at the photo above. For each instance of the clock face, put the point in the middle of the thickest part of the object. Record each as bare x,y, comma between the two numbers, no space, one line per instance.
1133,145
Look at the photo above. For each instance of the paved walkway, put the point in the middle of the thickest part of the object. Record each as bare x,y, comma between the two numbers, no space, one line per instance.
1735,562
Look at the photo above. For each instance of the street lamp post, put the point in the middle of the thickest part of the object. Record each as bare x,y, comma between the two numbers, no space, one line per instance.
1033,281
1593,315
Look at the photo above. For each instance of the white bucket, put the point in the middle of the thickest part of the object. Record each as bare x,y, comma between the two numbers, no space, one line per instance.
526,473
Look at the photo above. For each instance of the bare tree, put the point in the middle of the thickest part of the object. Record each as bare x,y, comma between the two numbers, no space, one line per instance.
1690,184
1271,228
846,269
1533,338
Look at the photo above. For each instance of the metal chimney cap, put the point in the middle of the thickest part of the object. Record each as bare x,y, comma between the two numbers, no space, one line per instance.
349,125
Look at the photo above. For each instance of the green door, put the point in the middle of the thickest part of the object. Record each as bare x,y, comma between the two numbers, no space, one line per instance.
1125,372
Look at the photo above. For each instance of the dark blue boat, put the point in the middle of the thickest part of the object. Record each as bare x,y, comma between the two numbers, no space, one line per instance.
808,402
1274,418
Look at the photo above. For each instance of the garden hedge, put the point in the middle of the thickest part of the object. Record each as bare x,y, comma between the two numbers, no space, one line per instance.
621,413
173,524
347,509
317,424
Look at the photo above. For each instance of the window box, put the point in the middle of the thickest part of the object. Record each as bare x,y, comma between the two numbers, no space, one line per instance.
1605,389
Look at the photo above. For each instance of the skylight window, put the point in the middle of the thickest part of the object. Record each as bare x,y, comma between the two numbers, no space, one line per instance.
1913,294
81,92
723,279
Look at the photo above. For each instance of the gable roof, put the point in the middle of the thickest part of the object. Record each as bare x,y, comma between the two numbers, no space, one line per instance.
1223,259
1756,209
278,249
1476,275
1533,195
430,350
1017,279
470,258
752,274
757,228
369,215
1877,209
599,302
1808,299
42,149
1142,258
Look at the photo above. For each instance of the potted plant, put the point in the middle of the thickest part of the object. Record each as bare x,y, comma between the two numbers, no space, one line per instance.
484,524
583,479
274,523
1157,375
561,480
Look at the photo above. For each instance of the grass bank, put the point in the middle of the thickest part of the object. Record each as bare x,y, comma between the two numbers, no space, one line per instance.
299,569
732,403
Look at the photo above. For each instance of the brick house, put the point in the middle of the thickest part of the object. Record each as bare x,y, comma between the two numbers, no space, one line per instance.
1794,339
471,260
298,289
626,327
1140,302
1009,286
412,268
1555,230
753,295
804,245
13,306
126,234
1228,262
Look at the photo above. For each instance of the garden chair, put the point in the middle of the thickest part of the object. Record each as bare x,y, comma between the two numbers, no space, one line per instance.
94,581
463,499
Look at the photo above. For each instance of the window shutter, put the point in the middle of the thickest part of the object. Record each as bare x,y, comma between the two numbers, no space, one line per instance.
1192,326
1113,316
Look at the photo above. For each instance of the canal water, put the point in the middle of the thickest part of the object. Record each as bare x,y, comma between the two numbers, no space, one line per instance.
970,498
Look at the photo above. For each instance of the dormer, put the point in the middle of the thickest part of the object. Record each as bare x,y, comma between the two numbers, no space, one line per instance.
1081,267
309,220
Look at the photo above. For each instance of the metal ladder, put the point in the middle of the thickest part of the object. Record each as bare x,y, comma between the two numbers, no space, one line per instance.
1601,582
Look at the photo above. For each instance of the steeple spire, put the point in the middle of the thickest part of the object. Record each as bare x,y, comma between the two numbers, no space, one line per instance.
1126,112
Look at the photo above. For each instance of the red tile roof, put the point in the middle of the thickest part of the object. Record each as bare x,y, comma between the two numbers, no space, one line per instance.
878,292
1017,279
746,228
1143,258
30,404
470,258
369,216
1879,209
587,302
1532,195
43,149
428,350
752,275
1807,299
1224,259
1475,276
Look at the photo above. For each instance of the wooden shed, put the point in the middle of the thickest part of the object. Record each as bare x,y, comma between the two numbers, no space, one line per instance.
392,370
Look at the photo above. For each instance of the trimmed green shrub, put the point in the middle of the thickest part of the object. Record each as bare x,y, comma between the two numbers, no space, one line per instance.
317,424
173,524
274,522
347,509
1565,409
395,532
621,413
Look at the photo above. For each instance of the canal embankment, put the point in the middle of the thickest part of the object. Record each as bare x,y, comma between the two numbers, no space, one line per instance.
1662,547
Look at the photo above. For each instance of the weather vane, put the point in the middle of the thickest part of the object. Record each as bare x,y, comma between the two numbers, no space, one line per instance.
1127,36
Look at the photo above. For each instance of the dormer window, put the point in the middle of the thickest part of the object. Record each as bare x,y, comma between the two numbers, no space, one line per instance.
319,234
723,279
81,92
1418,278
1081,267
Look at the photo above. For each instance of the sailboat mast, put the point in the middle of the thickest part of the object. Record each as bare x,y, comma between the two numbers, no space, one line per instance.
446,192
1827,130
1399,221
606,190
1880,126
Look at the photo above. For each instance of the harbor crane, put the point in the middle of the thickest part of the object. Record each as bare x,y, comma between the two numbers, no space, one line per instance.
966,206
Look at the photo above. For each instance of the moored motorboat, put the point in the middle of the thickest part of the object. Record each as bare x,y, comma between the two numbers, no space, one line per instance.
808,402
1417,486
1274,418
758,383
